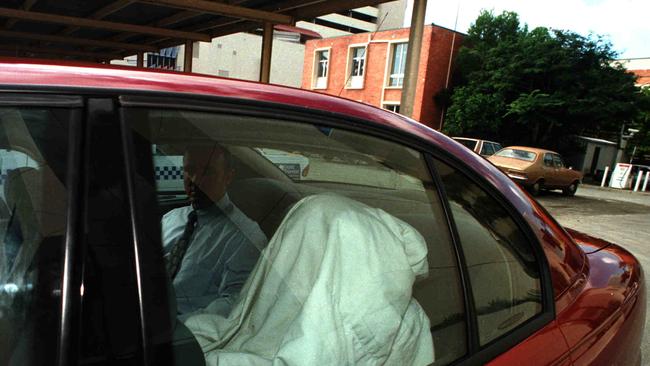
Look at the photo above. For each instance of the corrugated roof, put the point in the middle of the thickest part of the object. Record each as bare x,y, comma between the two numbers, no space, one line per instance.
104,29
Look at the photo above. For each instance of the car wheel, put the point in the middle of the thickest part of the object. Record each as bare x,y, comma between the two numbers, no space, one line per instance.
571,189
536,188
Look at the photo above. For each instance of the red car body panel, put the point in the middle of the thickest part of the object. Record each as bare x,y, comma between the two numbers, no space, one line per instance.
597,295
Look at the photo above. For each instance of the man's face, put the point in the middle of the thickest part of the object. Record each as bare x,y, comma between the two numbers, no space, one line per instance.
205,168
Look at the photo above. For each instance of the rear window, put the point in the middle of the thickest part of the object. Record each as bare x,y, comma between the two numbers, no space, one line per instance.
517,154
470,144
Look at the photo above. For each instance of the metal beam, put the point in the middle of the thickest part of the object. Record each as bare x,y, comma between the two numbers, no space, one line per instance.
76,41
298,9
276,8
331,6
267,46
102,13
170,20
101,24
178,17
413,58
235,25
233,11
59,52
26,6
139,61
187,59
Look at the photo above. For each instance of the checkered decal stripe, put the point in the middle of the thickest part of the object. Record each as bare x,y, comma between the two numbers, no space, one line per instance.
169,172
162,173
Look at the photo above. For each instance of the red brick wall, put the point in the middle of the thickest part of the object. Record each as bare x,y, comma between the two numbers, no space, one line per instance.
434,58
437,67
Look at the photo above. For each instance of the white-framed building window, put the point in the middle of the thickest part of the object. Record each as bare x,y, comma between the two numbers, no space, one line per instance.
397,65
321,68
393,107
356,66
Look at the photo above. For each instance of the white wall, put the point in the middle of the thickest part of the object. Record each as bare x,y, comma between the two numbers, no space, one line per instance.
635,63
238,56
605,157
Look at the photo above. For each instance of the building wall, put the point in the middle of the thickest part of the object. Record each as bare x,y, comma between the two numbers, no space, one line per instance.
438,72
239,56
433,68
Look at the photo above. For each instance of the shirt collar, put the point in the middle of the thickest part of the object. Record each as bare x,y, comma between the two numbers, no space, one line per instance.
223,206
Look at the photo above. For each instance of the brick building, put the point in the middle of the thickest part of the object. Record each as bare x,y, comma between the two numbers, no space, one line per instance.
369,68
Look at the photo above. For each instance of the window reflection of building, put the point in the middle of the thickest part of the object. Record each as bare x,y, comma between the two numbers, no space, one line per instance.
165,59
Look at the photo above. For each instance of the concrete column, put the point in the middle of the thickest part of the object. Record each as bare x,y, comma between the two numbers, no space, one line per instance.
267,45
187,59
413,58
139,61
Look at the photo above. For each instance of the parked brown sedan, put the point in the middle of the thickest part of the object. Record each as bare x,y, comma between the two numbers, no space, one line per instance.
537,169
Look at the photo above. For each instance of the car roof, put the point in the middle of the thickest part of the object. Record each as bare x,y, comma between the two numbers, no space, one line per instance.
46,73
473,139
531,149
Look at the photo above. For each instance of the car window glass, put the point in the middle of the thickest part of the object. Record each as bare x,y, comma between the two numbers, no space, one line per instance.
383,185
470,144
490,148
558,161
518,154
33,161
503,271
548,160
497,147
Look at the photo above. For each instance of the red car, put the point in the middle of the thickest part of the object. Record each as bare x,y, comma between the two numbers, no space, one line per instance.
398,246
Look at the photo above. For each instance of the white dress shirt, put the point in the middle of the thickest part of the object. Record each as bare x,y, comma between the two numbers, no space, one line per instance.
223,249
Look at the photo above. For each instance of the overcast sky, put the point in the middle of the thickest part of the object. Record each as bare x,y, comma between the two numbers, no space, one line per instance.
625,22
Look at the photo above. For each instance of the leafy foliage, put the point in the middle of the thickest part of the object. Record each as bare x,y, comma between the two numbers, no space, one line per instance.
641,139
532,87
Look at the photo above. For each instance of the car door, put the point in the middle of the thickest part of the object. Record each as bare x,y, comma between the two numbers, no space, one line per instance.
471,324
563,175
40,189
549,170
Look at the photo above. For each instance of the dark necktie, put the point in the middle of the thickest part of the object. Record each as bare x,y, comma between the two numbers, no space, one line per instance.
174,259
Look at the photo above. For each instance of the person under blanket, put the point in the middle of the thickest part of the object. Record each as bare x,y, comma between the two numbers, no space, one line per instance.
333,287
210,246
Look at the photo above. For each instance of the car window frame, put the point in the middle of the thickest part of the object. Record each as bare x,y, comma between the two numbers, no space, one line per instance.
297,114
552,161
72,248
560,160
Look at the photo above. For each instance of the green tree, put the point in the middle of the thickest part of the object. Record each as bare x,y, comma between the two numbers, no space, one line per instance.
641,139
536,86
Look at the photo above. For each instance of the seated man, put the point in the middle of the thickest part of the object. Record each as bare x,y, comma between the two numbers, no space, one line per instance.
210,246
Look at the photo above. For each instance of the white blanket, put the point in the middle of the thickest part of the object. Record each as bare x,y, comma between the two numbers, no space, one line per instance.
333,287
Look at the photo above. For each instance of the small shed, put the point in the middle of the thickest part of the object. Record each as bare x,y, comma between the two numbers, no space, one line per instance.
594,155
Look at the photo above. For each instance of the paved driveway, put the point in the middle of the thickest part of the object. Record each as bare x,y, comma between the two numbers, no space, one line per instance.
622,217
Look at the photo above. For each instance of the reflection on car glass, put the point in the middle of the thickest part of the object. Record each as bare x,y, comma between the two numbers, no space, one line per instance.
517,154
333,261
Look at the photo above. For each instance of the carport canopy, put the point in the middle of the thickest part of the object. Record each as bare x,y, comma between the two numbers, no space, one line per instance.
104,30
